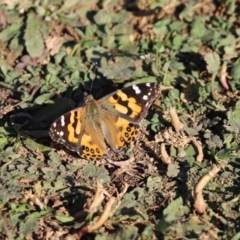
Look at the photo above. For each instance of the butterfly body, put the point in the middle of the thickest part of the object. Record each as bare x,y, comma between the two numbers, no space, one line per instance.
112,120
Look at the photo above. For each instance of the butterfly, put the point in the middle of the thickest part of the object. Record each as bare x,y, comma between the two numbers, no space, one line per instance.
113,121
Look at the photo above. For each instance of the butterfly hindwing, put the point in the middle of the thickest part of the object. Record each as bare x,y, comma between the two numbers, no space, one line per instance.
118,132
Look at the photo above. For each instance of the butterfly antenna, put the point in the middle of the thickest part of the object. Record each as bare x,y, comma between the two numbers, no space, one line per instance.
94,71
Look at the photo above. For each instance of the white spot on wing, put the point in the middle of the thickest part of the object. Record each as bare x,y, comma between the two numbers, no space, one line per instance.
62,121
136,89
145,97
148,84
54,124
61,133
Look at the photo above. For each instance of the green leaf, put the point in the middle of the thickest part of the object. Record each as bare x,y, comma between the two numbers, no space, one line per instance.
64,218
92,171
190,151
161,27
103,17
142,80
148,232
71,62
225,154
43,98
173,170
177,26
213,62
177,41
3,142
68,4
173,151
33,36
120,70
129,48
28,226
127,232
187,13
120,17
30,144
22,208
176,66
103,237
154,182
234,120
121,28
90,32
174,93
198,29
175,210
107,17
10,31
235,72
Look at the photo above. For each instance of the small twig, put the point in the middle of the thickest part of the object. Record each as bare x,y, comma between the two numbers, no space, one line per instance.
178,126
223,78
101,220
126,165
107,212
120,196
199,202
164,155
198,145
96,202
214,94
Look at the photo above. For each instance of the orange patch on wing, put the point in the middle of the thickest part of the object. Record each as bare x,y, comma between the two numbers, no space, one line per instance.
75,118
122,95
79,124
136,109
126,132
131,107
121,108
112,100
90,149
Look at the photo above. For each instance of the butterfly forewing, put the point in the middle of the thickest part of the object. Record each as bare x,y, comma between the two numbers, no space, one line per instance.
133,102
67,129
